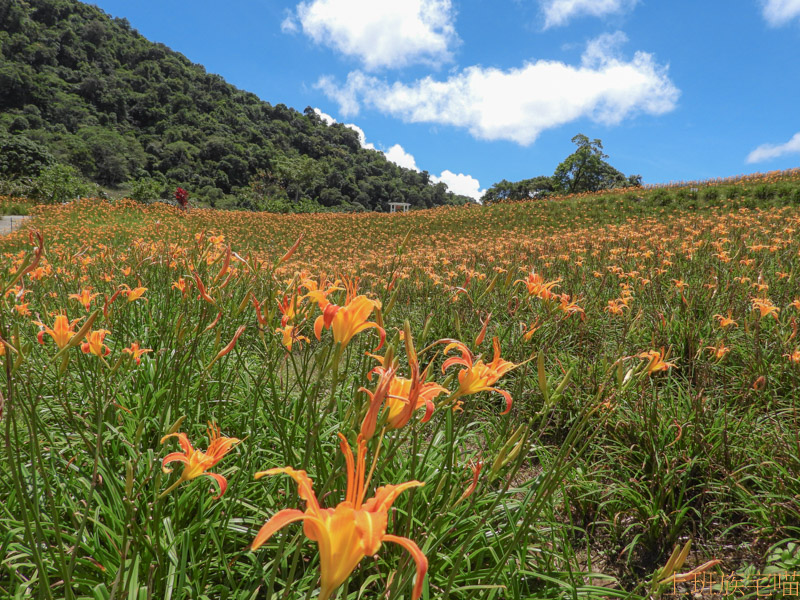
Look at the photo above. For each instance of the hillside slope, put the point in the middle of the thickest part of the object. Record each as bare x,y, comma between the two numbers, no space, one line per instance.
92,92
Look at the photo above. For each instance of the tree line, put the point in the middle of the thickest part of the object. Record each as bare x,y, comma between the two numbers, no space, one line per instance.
585,170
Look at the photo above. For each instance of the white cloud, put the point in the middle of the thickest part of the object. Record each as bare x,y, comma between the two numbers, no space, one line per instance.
560,12
401,158
457,183
770,151
518,104
780,12
289,25
460,183
362,137
329,120
380,33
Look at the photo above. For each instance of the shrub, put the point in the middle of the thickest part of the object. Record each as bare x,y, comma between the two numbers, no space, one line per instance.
662,197
59,183
146,189
732,192
20,157
764,191
710,194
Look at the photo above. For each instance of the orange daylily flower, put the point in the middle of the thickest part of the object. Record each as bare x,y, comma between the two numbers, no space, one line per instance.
726,321
405,397
180,285
719,351
537,286
794,356
19,292
475,467
680,284
479,376
61,332
570,308
400,395
616,307
656,361
132,294
765,307
288,308
23,310
136,352
94,343
290,335
349,532
85,298
197,462
318,291
533,328
348,320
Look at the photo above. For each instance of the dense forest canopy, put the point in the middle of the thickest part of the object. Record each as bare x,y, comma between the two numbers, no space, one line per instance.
80,88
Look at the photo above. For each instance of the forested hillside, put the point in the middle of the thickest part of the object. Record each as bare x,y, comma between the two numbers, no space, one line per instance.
84,89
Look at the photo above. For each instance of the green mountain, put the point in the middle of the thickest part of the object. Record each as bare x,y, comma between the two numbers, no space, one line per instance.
84,89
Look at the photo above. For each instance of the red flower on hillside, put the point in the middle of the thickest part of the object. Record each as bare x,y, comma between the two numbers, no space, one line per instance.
182,197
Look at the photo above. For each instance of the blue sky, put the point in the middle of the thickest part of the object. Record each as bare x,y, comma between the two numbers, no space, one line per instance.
482,90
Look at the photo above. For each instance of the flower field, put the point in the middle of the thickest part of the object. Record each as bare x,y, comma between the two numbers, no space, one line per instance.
529,400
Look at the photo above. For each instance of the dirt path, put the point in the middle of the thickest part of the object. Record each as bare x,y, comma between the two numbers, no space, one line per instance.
11,223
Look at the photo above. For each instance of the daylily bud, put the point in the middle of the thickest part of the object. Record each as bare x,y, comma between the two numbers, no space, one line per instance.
490,287
409,342
128,479
176,425
225,266
508,452
426,327
229,347
482,334
390,305
476,471
291,251
243,303
213,323
402,246
376,402
542,376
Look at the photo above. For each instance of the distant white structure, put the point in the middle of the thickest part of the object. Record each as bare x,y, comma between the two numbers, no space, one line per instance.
393,206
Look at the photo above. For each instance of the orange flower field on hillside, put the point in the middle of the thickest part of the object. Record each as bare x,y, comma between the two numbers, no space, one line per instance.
567,392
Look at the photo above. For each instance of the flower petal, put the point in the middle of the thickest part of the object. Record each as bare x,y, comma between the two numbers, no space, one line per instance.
182,439
305,486
508,398
172,457
386,495
278,521
419,558
221,482
318,327
455,360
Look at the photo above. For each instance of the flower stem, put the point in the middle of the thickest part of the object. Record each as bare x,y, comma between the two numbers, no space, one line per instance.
170,489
